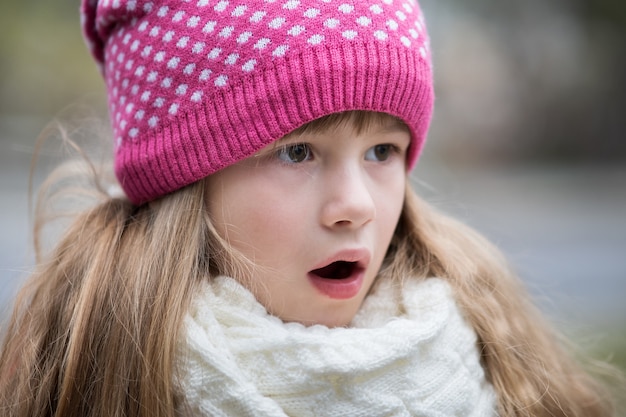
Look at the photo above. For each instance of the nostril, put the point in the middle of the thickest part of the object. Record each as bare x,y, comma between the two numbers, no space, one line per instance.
342,222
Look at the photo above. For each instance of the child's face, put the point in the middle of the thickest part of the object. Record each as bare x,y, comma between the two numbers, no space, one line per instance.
316,213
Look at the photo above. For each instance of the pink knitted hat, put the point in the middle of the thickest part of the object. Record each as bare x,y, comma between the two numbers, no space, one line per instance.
197,85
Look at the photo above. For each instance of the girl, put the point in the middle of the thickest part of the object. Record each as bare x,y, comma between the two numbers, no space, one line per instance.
269,257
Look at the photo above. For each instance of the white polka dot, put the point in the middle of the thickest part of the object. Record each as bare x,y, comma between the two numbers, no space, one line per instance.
408,7
261,43
189,68
182,42
129,108
159,102
123,124
121,57
193,21
349,34
205,75
414,33
423,52
405,41
160,56
244,37
146,51
134,89
155,31
178,16
126,39
169,35
387,1
400,15
145,96
116,4
125,83
167,82
257,16
196,96
152,122
392,24
226,32
231,59
316,39
280,51
203,3
381,35
114,49
139,115
221,6
215,52
276,23
147,7
376,9
197,47
152,76
133,132
173,109
181,89
291,4
248,66
239,11
346,8
331,23
221,81
296,30
173,63
364,21
162,11
209,26
129,64
418,25
143,26
312,13
134,46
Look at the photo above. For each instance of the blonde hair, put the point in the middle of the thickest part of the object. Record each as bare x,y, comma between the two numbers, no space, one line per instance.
94,332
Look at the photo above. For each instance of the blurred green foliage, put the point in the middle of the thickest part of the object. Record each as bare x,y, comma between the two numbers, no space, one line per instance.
44,65
570,93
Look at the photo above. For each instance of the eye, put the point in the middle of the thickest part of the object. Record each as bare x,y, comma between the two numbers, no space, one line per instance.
294,154
379,152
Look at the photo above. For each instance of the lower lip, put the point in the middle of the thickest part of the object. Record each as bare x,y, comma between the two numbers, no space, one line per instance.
339,289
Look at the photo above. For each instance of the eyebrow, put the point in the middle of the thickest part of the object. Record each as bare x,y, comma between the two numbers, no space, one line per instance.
393,126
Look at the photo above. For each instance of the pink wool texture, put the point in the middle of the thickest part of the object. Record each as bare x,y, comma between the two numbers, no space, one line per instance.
197,85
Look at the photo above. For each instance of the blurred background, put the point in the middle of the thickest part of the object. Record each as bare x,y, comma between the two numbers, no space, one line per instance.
528,143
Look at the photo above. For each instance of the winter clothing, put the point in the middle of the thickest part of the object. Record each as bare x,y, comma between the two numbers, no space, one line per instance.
409,352
197,85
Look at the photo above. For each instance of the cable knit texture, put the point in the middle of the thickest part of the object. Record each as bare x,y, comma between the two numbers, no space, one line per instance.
409,352
197,85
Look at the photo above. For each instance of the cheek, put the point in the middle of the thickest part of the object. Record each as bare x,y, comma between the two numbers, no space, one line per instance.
390,202
257,221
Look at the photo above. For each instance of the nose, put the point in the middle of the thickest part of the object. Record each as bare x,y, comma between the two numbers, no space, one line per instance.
347,199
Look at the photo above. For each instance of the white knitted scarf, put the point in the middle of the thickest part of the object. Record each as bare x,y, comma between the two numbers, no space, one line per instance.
409,352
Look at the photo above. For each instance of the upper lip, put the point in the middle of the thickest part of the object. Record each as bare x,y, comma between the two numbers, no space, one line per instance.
359,255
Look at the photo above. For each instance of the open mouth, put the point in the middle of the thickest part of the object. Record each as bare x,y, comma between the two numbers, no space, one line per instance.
336,270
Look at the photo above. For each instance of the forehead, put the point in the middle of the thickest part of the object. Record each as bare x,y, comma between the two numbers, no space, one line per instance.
360,121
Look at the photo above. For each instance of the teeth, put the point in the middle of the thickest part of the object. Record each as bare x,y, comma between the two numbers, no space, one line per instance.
336,270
